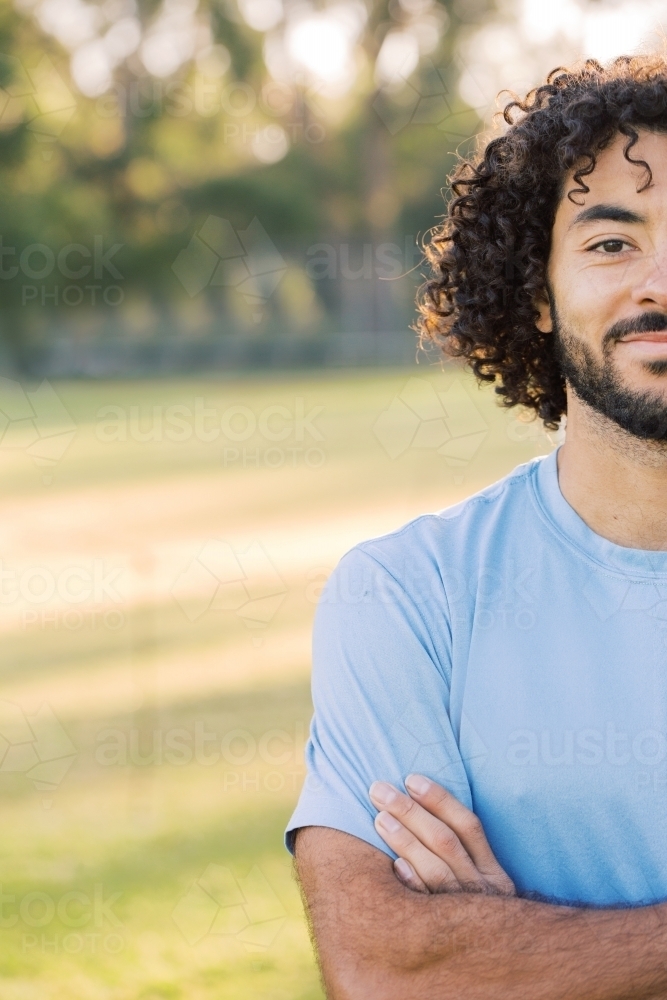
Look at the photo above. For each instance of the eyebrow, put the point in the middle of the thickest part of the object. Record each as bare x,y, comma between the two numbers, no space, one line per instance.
606,213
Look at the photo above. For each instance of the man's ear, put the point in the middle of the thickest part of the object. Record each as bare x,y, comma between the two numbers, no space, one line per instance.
544,322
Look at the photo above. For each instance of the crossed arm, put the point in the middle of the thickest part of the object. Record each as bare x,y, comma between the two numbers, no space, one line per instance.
444,920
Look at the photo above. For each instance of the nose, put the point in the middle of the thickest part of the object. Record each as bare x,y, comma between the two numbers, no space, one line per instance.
651,291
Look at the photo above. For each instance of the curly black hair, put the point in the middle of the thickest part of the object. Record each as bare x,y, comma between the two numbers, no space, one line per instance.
489,257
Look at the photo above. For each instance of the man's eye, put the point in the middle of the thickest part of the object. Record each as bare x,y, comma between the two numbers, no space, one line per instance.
610,246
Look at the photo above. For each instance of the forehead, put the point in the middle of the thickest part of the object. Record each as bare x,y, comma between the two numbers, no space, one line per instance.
615,180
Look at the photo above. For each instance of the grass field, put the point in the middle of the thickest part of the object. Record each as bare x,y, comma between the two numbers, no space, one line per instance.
159,579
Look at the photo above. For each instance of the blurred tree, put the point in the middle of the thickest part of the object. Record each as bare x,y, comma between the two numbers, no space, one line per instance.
123,128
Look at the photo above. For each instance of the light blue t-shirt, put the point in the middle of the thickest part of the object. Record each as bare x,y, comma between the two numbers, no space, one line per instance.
508,652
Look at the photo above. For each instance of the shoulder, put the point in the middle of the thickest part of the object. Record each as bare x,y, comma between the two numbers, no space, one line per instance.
465,531
399,597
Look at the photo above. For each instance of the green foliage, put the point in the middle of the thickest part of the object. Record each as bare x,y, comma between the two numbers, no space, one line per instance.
145,165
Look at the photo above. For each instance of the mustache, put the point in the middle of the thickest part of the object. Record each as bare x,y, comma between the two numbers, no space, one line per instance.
649,322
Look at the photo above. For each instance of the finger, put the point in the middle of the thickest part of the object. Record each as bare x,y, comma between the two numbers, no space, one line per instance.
430,831
408,876
436,874
465,824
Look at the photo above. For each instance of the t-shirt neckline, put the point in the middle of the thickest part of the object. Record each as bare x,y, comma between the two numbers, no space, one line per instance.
565,520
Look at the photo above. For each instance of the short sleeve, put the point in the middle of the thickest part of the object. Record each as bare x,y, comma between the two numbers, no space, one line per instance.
381,669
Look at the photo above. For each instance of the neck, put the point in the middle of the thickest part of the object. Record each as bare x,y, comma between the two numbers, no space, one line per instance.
617,483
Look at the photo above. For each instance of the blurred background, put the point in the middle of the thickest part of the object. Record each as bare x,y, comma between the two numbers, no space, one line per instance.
211,214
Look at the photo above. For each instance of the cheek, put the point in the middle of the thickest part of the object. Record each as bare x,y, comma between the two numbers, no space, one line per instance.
591,300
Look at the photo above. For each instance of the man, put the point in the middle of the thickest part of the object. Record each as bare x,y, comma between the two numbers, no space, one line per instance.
485,814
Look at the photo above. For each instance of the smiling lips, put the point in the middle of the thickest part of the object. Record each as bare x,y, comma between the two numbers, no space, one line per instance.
653,342
656,337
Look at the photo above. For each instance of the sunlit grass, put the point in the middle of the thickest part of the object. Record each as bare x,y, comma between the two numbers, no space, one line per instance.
188,722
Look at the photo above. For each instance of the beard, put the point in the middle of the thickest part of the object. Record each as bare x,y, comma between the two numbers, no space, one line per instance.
599,384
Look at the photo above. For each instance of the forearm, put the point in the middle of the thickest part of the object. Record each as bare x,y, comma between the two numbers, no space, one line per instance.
378,940
493,947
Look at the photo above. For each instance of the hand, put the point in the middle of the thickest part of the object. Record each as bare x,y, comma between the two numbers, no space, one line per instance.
441,845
